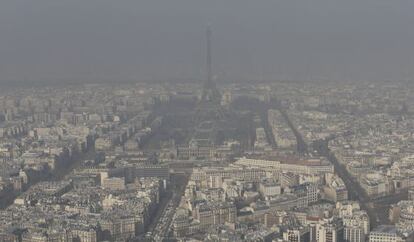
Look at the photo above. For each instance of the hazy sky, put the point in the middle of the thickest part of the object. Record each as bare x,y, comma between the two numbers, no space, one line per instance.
165,39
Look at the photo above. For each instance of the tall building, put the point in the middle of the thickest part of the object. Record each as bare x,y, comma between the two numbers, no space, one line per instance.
354,234
214,214
355,221
389,233
296,235
411,194
335,189
356,227
114,183
329,230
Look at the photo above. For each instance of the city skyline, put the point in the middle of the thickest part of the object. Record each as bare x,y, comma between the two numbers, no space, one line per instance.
206,121
163,40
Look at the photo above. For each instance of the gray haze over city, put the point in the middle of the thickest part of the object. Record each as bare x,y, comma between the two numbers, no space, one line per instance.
206,121
128,40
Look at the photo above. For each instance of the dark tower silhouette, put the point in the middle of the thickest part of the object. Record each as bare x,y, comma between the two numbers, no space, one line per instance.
211,119
208,54
210,92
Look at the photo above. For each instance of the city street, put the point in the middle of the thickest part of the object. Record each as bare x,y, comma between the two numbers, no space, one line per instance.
159,228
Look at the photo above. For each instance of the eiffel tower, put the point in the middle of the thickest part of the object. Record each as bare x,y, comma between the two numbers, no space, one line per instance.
210,92
208,107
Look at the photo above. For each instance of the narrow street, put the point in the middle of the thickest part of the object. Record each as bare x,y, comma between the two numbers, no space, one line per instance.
159,228
355,191
377,208
301,144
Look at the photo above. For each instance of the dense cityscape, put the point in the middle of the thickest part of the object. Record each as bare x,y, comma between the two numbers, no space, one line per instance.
116,125
208,161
